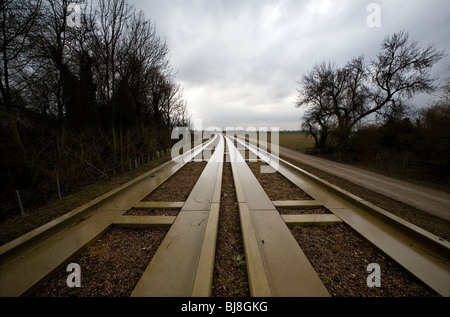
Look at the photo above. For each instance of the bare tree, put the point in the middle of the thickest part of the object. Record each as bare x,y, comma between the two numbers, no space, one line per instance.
146,58
18,19
333,98
340,98
82,96
108,24
400,71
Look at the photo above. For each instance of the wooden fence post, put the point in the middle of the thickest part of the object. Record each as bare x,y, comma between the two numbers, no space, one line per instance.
22,212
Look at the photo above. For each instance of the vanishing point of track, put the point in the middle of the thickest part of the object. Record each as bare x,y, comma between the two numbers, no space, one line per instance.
183,264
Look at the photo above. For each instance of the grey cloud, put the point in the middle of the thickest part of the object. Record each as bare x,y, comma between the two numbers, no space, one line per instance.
239,60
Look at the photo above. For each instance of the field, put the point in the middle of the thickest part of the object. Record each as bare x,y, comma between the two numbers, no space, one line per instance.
296,140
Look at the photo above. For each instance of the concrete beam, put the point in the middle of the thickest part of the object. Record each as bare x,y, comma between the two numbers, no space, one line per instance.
158,204
311,219
292,204
184,262
268,241
144,221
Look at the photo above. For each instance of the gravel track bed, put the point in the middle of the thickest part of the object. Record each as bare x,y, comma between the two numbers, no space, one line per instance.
230,272
340,257
111,266
153,212
178,186
304,211
276,185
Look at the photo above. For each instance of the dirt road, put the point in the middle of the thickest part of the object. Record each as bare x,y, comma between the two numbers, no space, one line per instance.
429,200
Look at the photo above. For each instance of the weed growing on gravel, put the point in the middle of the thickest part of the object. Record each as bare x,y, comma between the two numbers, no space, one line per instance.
335,248
238,259
416,288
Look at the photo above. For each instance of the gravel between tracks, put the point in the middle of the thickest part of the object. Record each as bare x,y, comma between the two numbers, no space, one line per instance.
276,185
110,267
178,186
230,272
340,257
153,212
301,211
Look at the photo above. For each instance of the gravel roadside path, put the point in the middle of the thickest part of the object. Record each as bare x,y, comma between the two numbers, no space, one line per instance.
429,200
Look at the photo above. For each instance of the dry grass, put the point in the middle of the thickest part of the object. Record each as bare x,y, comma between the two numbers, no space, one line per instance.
296,140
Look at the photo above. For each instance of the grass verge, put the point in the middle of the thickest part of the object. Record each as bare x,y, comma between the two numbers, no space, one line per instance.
15,227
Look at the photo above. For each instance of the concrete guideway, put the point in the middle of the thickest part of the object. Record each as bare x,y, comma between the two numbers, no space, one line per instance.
29,260
423,254
276,265
429,200
184,262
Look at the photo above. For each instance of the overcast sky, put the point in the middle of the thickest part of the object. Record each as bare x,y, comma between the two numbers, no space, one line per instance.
239,60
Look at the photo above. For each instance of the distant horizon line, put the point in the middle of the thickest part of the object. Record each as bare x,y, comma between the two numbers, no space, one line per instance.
243,130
